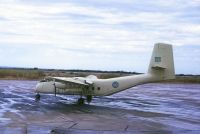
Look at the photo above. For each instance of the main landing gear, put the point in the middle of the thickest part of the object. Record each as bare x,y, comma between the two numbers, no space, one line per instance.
81,100
89,98
37,97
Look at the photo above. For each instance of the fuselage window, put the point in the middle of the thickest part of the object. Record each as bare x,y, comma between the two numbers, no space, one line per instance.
98,88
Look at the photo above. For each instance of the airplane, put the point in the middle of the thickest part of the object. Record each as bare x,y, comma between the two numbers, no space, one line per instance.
161,68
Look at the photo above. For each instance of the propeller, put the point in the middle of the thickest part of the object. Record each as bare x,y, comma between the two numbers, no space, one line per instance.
54,87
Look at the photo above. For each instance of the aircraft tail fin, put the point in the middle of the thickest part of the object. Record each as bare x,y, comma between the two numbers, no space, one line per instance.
162,62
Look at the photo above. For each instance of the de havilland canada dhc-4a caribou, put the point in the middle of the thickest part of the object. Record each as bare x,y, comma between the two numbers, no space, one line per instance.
161,67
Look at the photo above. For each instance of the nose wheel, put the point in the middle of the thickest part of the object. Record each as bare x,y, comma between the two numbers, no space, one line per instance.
37,97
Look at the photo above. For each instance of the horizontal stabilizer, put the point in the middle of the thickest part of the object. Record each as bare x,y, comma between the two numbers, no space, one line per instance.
158,67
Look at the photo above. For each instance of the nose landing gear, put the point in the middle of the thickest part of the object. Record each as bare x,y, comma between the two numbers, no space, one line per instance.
37,97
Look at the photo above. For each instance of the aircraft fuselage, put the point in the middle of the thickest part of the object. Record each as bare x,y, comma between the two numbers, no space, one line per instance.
100,87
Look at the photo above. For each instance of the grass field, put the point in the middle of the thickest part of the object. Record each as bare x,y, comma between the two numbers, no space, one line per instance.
38,74
20,74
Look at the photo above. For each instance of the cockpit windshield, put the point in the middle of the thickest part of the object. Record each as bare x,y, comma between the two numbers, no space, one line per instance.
44,80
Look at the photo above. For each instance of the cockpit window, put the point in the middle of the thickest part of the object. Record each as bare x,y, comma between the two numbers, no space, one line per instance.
43,80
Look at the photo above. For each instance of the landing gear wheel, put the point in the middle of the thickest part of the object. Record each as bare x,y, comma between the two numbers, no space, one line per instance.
37,97
80,101
89,98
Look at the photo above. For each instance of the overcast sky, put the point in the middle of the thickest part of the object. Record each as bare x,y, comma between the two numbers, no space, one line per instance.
97,34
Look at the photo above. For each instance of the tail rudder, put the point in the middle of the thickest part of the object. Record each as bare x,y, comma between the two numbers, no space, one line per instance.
162,62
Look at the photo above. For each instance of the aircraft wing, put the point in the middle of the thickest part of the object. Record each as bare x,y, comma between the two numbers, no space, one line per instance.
68,80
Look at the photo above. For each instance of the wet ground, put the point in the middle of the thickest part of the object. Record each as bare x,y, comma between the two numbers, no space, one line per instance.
150,108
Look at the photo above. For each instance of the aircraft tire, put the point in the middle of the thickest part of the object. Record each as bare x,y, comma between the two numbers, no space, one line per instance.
89,98
37,97
81,101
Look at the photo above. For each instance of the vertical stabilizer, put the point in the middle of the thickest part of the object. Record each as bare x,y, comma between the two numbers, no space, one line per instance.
162,62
